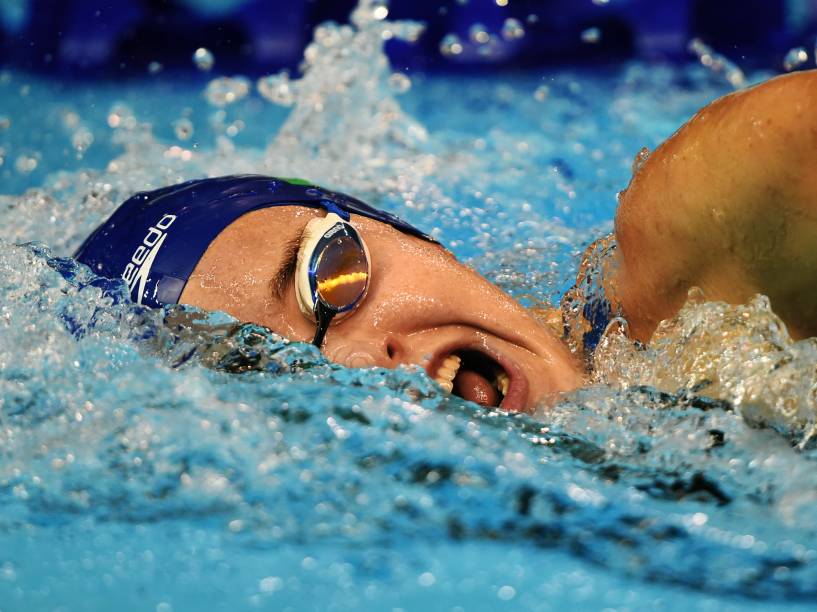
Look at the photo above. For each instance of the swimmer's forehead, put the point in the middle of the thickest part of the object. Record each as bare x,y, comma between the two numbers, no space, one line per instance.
281,225
269,238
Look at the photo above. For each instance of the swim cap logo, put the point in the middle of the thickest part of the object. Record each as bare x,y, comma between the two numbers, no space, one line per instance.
138,269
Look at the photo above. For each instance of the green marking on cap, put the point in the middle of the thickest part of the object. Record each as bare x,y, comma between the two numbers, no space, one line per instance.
297,181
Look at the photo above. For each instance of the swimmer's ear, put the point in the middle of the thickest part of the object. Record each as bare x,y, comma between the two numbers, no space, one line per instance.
313,232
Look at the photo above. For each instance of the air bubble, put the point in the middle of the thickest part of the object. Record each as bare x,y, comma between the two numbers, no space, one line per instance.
224,91
155,67
512,29
203,59
541,93
795,58
5,123
451,45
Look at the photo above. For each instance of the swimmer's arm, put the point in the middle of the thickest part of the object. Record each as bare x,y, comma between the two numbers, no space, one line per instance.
728,204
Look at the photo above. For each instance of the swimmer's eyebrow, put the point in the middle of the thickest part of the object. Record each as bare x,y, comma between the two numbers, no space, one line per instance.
285,276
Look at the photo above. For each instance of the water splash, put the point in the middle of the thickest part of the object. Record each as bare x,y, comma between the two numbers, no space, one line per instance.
345,123
742,354
795,58
717,63
123,428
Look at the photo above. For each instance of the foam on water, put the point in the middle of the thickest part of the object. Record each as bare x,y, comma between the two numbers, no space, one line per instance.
138,445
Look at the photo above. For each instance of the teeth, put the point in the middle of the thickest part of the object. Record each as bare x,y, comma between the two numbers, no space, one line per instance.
502,383
447,371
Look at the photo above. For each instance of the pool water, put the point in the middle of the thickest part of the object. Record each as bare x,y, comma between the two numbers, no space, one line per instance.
178,461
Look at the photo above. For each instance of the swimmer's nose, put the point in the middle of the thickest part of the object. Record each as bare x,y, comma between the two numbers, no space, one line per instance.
388,351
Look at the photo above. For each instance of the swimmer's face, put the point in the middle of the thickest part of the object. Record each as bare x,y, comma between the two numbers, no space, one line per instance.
423,307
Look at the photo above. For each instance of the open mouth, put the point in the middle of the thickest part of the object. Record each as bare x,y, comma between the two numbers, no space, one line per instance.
476,377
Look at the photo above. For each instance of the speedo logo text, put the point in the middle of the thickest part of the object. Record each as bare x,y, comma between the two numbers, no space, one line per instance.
138,269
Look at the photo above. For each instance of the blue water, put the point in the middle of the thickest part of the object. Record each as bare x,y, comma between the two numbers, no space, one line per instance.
177,461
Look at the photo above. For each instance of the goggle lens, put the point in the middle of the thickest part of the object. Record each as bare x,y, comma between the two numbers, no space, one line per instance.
342,273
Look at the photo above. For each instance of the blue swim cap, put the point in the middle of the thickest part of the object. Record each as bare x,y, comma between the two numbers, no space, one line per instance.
155,239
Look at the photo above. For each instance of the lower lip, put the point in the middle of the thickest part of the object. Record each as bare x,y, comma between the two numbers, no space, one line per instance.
517,398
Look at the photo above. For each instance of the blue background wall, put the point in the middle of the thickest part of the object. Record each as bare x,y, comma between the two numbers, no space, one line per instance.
111,38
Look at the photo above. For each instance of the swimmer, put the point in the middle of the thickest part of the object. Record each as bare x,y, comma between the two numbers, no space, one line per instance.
726,204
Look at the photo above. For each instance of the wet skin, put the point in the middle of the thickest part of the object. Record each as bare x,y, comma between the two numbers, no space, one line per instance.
422,305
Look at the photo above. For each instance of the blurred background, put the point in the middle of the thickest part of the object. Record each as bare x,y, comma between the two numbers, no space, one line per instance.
98,38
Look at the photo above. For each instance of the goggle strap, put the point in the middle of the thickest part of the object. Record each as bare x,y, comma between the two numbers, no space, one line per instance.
323,317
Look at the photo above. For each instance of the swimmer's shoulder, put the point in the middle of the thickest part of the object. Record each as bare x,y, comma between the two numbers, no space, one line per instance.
728,203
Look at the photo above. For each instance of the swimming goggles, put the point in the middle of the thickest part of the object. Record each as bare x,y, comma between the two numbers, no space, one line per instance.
332,272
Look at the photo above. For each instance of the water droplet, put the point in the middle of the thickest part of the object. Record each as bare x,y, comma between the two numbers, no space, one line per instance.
717,64
270,584
399,82
82,139
478,34
155,67
368,12
450,45
223,91
506,593
591,36
795,58
601,2
25,164
501,2
203,59
69,119
277,89
426,579
380,12
512,29
541,93
532,18
183,128
642,156
5,123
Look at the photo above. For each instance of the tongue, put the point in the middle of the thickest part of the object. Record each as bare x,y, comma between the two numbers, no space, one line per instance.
474,387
